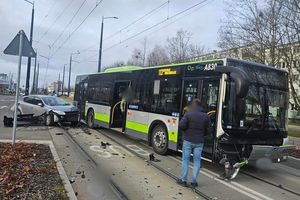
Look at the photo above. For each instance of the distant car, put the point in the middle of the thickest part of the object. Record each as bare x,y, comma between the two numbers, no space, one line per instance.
51,108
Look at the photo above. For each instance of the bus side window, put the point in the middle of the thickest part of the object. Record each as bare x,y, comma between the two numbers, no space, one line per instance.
166,96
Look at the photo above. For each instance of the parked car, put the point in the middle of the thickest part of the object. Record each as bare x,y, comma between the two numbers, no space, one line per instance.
52,109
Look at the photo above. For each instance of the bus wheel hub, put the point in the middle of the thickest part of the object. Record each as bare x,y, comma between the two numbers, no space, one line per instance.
160,139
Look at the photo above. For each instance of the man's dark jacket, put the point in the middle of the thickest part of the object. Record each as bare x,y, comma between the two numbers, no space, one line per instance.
195,125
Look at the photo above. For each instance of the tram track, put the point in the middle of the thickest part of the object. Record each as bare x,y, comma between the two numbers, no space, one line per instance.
280,186
232,184
115,188
171,175
270,183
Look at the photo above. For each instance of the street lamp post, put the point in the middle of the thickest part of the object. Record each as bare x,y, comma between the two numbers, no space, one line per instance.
70,70
63,81
47,58
30,40
33,89
101,39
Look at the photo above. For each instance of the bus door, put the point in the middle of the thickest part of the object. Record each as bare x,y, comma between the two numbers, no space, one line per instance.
119,108
82,94
205,89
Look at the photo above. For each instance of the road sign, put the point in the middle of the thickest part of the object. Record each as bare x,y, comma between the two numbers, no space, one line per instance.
19,46
13,47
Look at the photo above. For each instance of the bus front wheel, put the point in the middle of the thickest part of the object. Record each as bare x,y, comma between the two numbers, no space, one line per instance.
159,139
90,118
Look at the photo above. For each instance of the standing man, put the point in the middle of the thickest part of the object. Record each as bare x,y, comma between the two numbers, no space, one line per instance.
195,125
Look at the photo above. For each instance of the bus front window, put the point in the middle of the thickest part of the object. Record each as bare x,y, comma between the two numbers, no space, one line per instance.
263,109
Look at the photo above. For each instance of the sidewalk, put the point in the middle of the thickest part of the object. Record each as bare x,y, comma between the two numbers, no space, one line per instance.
85,181
294,141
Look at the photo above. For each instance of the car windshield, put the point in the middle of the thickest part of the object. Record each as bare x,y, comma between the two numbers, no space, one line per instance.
54,101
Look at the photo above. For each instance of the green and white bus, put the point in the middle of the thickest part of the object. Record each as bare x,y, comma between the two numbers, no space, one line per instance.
247,103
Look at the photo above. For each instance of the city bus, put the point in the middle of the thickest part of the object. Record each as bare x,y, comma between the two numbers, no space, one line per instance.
246,101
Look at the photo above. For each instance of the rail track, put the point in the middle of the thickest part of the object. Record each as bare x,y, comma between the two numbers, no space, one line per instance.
270,183
196,190
114,187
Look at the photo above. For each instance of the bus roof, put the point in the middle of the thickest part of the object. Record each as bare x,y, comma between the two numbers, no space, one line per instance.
134,68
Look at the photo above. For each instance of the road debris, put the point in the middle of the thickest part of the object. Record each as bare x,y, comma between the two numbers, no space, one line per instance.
152,158
82,175
72,180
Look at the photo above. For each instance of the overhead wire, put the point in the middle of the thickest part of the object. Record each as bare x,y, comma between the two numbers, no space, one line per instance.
157,24
48,12
69,23
205,2
172,22
131,23
64,42
56,19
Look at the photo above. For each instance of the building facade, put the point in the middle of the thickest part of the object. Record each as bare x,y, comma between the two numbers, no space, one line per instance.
4,83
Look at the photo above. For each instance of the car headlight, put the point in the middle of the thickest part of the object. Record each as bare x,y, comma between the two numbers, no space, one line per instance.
59,112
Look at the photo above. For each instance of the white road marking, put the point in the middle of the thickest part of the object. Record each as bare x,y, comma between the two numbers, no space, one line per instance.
101,151
2,107
122,149
138,150
105,153
233,185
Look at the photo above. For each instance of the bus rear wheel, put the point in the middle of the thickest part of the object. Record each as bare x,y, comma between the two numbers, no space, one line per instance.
90,119
159,139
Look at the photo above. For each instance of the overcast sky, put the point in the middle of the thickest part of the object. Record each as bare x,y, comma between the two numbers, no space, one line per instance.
53,26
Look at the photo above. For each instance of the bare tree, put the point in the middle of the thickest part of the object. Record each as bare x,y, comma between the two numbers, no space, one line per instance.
115,64
136,58
158,56
180,47
265,31
139,55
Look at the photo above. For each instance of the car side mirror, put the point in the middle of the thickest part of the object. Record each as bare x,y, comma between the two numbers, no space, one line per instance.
40,104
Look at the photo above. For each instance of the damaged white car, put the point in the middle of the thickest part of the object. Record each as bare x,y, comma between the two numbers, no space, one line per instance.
51,109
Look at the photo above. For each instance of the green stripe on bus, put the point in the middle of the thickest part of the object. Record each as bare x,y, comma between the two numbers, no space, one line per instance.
137,126
102,117
172,136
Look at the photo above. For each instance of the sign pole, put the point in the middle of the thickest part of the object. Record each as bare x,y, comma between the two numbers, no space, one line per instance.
18,87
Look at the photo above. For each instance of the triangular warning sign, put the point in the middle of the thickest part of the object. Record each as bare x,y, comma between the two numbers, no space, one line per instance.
13,47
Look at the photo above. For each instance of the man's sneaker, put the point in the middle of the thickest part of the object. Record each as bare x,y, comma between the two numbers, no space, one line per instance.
182,183
194,185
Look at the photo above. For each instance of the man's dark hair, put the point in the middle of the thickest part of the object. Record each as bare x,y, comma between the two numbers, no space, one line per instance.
197,102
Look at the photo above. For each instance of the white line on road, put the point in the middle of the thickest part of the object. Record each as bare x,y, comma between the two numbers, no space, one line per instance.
2,107
233,185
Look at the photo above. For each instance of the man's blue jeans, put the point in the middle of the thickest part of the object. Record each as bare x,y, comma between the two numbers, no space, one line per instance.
187,148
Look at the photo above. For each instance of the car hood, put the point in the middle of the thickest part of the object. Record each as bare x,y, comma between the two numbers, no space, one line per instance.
66,108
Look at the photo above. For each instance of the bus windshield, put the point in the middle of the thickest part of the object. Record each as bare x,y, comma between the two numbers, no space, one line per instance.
264,108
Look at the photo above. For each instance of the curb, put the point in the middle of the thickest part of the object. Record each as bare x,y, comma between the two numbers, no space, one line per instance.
59,166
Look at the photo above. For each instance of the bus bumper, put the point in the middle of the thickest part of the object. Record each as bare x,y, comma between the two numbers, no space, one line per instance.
274,153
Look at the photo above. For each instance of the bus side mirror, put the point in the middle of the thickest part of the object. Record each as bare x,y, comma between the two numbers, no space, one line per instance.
239,77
